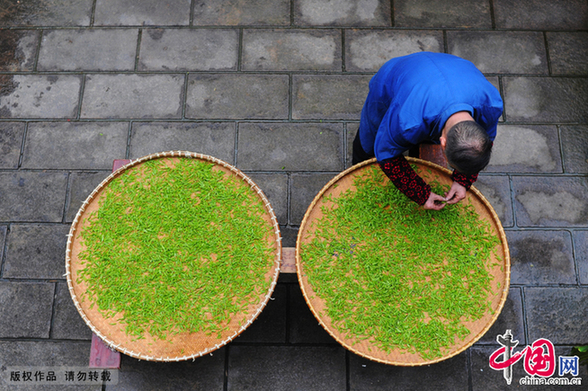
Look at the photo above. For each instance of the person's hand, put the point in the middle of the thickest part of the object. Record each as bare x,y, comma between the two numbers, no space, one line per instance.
455,194
435,202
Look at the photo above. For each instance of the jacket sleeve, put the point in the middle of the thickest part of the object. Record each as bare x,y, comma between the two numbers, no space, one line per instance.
406,179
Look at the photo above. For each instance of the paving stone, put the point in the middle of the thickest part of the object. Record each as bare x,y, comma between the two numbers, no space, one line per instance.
496,189
526,149
81,185
289,236
366,375
557,314
67,322
291,50
541,257
270,325
88,50
25,309
352,129
581,251
39,96
539,99
541,14
568,53
277,368
303,326
237,96
3,230
329,96
233,12
431,13
520,52
203,373
74,145
290,146
18,49
141,13
11,135
35,251
304,187
32,196
550,201
574,146
342,13
188,50
485,378
133,96
214,139
368,50
46,13
510,318
275,188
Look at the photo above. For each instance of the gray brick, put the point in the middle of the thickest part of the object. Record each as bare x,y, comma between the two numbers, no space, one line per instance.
526,149
342,13
278,368
47,13
88,50
552,100
11,134
290,147
67,322
303,326
431,13
568,53
214,139
204,373
550,201
18,50
557,314
366,375
329,96
188,50
510,318
80,186
3,230
233,12
304,188
352,129
25,309
35,251
496,189
133,96
368,50
520,52
574,141
237,96
44,353
289,236
270,325
581,250
292,50
74,145
275,188
142,13
485,378
541,257
39,96
32,196
541,14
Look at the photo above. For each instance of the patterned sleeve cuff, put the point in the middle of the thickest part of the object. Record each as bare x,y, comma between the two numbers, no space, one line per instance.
406,179
465,180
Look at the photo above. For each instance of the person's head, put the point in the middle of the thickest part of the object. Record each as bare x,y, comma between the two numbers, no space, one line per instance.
467,147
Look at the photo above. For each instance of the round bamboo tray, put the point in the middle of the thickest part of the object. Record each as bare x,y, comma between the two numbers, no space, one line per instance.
177,346
366,348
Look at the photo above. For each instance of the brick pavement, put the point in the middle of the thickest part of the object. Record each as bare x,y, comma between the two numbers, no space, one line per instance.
276,87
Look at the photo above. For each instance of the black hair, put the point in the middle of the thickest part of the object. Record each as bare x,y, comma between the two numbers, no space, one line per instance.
468,147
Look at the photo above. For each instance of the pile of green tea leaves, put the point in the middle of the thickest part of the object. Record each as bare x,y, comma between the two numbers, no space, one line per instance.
395,274
176,250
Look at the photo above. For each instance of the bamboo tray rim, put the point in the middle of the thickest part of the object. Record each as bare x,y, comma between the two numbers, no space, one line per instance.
347,343
116,345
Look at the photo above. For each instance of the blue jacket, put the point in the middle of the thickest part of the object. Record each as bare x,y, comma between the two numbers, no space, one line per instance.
411,98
